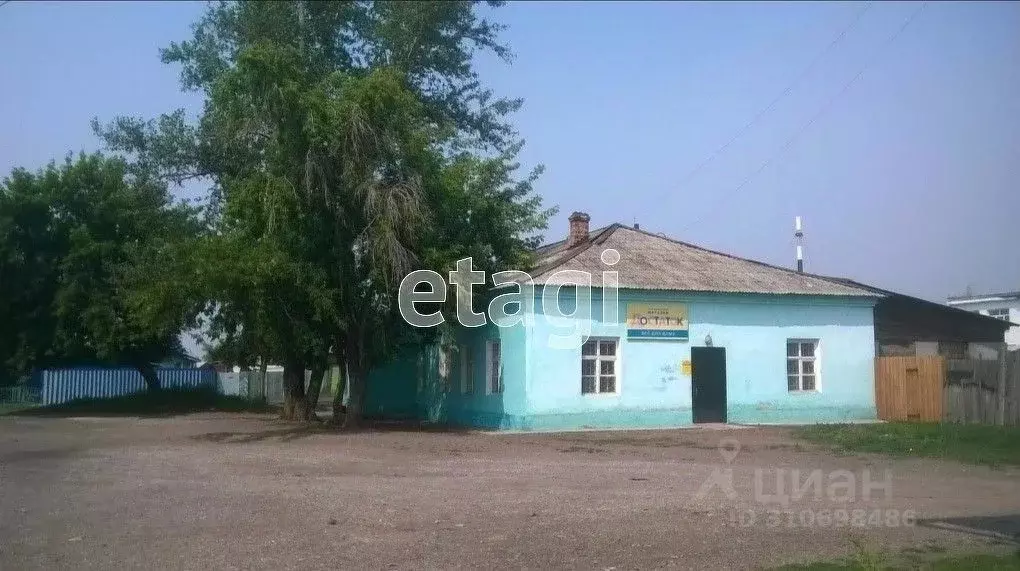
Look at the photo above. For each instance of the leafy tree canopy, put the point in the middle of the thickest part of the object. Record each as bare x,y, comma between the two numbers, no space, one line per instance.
82,247
347,144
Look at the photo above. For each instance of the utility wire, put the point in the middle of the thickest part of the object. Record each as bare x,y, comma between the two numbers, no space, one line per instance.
800,131
4,3
775,101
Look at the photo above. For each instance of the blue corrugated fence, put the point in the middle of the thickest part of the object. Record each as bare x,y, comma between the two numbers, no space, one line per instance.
62,385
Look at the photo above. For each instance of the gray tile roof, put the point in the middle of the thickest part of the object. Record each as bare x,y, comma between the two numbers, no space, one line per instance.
656,262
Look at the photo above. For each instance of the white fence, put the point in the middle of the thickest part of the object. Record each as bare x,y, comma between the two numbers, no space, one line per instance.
63,385
252,385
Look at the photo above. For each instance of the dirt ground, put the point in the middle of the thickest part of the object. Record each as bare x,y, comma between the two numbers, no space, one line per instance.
217,491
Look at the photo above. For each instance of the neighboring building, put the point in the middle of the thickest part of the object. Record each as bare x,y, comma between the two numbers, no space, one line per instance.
906,325
1004,306
737,341
219,366
179,360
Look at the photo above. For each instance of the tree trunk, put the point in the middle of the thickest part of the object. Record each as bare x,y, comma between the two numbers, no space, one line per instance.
149,375
338,395
293,389
314,388
262,381
356,379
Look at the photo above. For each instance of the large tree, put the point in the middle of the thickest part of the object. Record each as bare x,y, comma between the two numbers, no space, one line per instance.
85,245
348,143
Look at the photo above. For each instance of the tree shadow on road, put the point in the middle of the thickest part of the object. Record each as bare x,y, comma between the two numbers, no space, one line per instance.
289,434
296,432
1002,527
62,453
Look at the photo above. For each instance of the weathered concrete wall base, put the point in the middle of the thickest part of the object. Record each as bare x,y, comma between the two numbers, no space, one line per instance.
765,414
661,418
615,419
608,420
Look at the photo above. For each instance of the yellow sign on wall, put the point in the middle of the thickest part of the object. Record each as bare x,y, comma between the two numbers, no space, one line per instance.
666,320
685,366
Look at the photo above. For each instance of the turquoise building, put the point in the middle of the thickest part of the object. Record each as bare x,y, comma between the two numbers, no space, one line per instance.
667,335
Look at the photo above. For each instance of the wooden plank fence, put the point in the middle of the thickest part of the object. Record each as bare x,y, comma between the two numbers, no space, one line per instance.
984,392
909,388
931,388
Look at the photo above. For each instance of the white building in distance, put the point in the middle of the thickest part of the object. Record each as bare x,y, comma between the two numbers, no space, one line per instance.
1004,306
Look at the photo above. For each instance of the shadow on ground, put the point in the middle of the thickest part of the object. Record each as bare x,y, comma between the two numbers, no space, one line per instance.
280,434
296,432
16,456
167,402
1004,527
44,412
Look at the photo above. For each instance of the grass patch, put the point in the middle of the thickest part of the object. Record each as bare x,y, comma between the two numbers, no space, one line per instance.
970,443
161,403
874,562
10,408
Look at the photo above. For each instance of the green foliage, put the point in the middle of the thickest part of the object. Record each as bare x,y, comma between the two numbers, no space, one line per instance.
84,247
29,259
348,143
971,443
432,43
872,561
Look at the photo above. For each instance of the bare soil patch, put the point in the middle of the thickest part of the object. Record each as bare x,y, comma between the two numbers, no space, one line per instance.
244,491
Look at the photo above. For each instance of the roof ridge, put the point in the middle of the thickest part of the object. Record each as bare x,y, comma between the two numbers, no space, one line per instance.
558,242
550,259
731,256
602,235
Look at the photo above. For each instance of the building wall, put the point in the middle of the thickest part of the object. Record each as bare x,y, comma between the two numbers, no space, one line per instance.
926,348
654,391
983,351
392,390
427,383
542,385
483,408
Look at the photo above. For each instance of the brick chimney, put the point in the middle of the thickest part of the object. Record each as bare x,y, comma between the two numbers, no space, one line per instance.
578,229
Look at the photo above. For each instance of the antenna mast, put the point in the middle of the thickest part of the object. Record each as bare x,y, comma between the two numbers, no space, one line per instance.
798,233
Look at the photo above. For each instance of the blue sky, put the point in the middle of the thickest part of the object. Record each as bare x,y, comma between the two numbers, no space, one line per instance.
907,180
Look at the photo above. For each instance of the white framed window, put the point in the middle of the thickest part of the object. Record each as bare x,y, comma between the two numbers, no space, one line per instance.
1000,313
493,368
600,366
467,366
802,364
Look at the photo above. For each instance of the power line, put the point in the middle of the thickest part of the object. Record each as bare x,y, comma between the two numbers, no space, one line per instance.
821,111
4,3
775,101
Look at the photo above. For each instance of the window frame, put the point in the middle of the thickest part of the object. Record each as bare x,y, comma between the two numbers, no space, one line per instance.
446,354
467,381
816,358
489,389
617,360
999,313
